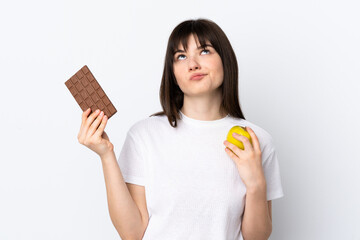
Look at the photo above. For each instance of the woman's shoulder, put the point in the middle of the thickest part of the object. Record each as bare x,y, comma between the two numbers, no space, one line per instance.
148,123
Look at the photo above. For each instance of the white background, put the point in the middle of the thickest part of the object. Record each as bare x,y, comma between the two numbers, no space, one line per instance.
299,80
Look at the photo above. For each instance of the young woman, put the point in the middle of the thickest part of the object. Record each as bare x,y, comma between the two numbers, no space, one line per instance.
175,177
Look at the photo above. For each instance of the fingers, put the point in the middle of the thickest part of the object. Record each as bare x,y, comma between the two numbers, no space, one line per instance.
245,141
231,153
255,140
235,150
250,146
95,123
101,128
85,123
84,116
83,130
90,119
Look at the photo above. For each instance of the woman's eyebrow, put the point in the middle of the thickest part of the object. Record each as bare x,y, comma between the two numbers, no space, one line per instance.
200,47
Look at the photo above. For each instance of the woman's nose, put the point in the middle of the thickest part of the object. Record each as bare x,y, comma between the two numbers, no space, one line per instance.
193,64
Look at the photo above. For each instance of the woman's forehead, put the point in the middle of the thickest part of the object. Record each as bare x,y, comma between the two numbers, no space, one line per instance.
186,41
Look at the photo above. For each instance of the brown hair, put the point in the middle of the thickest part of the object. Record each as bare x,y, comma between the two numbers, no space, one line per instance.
171,96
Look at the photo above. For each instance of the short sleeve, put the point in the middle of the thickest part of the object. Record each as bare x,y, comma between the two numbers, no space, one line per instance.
272,175
131,160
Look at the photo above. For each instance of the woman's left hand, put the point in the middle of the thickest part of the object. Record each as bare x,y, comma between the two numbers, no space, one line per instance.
248,161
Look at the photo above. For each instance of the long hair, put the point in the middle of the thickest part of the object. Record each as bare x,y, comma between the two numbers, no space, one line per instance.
171,96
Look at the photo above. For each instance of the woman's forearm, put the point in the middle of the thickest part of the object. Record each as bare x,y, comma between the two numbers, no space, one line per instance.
124,212
256,223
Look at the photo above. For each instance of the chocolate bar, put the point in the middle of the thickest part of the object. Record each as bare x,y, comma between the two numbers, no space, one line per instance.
88,93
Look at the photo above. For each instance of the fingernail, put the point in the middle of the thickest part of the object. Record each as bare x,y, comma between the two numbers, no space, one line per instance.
235,134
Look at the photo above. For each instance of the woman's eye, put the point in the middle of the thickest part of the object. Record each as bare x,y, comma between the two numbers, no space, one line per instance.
184,55
205,50
180,56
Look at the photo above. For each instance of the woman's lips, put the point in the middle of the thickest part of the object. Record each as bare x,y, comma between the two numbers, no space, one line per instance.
198,77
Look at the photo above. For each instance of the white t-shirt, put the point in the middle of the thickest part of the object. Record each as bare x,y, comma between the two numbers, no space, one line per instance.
193,188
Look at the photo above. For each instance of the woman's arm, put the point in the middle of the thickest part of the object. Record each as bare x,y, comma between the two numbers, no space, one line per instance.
124,213
256,223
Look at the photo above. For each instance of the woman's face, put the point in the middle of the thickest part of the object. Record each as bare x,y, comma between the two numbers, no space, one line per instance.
205,61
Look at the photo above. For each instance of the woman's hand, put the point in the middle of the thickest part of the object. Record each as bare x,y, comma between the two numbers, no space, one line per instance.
92,135
248,161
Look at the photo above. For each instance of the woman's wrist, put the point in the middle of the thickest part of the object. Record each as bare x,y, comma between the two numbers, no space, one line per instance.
107,155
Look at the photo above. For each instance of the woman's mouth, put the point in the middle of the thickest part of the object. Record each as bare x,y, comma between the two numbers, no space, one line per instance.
197,77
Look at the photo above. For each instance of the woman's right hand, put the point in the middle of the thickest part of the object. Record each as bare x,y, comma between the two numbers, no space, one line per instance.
92,135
